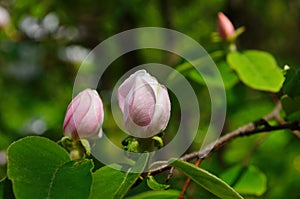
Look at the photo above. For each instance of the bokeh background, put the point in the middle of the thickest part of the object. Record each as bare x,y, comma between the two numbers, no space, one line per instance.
42,44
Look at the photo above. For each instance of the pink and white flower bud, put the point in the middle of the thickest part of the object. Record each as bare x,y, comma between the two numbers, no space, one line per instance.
225,27
145,105
84,116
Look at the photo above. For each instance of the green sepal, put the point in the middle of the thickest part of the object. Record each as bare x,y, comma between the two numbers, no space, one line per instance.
130,144
77,148
86,146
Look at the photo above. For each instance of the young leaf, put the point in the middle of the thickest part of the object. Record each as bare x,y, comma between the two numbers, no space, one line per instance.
168,194
249,180
154,185
207,180
257,69
40,168
110,182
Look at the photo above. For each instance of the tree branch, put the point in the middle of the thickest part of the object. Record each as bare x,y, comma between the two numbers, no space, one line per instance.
252,128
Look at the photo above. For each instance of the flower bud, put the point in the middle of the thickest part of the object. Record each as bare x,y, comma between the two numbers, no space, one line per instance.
84,116
225,27
145,105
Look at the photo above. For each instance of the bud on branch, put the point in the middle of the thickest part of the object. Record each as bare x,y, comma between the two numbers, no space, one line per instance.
145,105
84,116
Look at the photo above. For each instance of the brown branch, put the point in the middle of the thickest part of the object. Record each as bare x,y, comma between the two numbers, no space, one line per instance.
252,128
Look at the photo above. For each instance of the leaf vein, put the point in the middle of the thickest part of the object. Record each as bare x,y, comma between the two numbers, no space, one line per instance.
52,180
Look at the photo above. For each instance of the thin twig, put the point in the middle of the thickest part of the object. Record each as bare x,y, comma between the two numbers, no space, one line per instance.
242,132
252,128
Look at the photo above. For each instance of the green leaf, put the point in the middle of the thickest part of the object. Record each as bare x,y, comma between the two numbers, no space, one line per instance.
104,176
207,180
110,182
246,180
291,84
72,180
257,69
40,168
294,116
168,194
291,106
154,185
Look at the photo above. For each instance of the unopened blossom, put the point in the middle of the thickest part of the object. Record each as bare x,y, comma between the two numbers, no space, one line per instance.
84,116
225,27
145,104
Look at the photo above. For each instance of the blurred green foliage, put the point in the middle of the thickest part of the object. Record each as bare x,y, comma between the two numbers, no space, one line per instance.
42,46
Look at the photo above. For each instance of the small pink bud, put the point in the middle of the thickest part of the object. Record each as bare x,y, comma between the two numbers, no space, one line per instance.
225,27
84,116
145,105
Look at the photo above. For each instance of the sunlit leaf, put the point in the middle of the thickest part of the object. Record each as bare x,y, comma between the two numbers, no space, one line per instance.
257,69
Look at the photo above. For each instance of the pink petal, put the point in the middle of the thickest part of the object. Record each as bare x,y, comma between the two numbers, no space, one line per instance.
141,106
162,111
84,115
